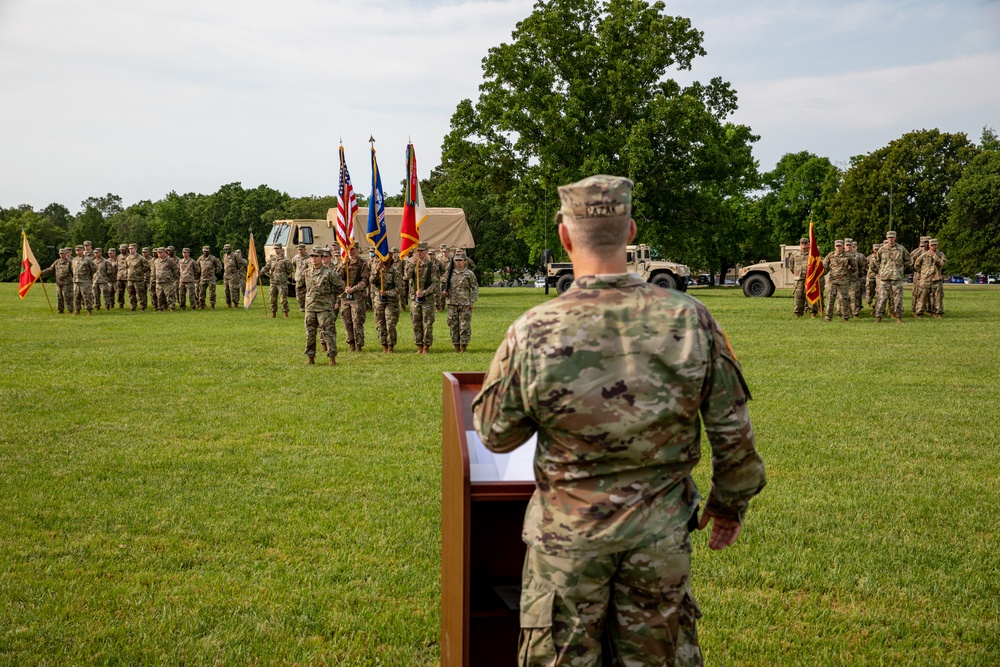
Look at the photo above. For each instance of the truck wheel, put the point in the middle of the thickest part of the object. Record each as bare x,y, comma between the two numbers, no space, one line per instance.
564,282
758,286
665,280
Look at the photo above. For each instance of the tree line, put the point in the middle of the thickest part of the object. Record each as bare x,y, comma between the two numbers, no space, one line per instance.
583,88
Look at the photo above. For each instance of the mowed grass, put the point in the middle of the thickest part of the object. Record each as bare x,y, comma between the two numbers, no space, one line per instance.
178,488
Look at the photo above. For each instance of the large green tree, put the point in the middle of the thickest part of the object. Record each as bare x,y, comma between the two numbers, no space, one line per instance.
582,88
799,188
971,234
915,173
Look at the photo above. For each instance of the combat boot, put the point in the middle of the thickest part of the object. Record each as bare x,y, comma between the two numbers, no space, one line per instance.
464,348
286,314
899,320
878,319
333,361
458,348
310,361
213,306
385,348
273,314
390,350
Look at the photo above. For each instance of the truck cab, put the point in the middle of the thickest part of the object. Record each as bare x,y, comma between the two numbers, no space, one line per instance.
762,278
638,259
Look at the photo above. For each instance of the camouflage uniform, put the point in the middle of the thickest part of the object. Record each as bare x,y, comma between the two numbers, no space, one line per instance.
354,274
209,265
150,277
122,274
444,263
914,254
167,274
929,266
280,270
838,268
371,294
387,307
231,276
188,273
798,265
84,271
893,264
62,268
422,312
462,293
615,376
855,276
241,284
301,263
871,284
103,281
136,269
322,288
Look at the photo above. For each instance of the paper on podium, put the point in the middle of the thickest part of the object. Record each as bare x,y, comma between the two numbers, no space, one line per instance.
487,466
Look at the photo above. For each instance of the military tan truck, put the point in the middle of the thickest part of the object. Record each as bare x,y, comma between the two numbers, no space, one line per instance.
443,225
762,278
664,274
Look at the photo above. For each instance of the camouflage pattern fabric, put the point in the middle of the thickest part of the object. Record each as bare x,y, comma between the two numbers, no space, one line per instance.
930,269
649,613
893,262
231,277
838,268
280,271
387,307
187,293
122,278
440,301
62,269
871,283
354,273
424,271
798,264
616,400
463,293
914,255
855,280
103,283
323,287
890,294
209,266
84,271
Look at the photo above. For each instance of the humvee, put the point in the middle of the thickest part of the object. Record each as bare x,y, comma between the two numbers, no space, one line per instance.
663,274
762,278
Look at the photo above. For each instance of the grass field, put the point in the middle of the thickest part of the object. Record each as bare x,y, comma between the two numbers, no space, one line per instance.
177,488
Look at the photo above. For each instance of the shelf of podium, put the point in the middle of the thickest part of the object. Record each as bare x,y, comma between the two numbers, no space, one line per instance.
481,543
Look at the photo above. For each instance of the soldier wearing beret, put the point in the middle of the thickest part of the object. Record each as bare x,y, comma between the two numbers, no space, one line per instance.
188,273
136,269
104,278
608,525
84,271
893,264
209,266
122,274
462,291
424,279
323,288
62,268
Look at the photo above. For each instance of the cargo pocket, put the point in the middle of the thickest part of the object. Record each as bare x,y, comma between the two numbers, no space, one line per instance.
688,652
535,645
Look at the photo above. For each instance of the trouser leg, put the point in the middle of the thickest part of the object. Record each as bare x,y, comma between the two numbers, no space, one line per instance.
328,329
312,324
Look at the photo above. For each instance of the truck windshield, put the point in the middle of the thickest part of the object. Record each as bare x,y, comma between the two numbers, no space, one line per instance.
279,234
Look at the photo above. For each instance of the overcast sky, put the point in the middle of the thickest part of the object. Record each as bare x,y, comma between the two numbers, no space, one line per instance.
139,98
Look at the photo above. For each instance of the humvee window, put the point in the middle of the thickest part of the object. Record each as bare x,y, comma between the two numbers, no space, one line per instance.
628,257
279,234
304,235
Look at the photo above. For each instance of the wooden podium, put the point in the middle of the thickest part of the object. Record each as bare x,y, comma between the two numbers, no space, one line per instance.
481,548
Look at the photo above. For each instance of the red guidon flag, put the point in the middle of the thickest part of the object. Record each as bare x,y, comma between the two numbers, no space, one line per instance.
815,269
414,209
30,269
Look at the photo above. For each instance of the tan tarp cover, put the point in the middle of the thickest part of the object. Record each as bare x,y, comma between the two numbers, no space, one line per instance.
443,225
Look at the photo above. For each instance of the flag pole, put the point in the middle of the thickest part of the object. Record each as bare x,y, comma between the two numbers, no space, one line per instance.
46,292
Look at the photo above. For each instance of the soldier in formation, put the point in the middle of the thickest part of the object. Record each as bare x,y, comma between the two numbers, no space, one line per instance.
122,274
62,269
373,265
150,277
461,291
893,263
167,275
322,289
136,268
301,260
914,254
929,266
280,270
353,271
424,280
189,273
837,266
798,264
387,281
231,276
104,279
209,266
444,260
856,277
871,283
84,271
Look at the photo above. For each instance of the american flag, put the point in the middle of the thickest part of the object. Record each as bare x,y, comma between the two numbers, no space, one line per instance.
347,206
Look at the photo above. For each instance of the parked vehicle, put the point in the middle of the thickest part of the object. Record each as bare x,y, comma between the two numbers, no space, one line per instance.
670,275
762,278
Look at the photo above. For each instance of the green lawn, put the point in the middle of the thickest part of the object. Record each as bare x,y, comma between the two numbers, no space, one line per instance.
180,488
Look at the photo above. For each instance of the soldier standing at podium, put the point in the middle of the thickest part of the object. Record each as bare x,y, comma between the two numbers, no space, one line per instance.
613,375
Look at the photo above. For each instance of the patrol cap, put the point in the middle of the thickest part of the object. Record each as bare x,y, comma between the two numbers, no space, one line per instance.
876,246
803,240
87,243
443,246
145,249
459,255
132,245
838,242
79,247
924,238
226,246
848,241
315,252
326,252
933,241
392,250
99,248
890,234
599,197
187,250
301,245
170,247
205,247
123,246
422,245
431,252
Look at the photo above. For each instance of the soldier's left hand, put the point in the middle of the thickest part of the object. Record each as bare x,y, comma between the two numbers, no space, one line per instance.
724,531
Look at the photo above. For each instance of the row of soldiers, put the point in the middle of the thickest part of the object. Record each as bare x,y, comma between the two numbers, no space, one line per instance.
880,275
161,278
326,285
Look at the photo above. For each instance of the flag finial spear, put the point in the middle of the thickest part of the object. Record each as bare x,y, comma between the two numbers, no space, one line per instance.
371,139
341,140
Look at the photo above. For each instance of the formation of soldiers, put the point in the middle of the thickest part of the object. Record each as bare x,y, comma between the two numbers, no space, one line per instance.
153,278
851,279
326,285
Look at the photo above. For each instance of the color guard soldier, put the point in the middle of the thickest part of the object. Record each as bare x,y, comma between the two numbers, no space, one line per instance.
84,271
462,291
424,279
354,273
62,268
